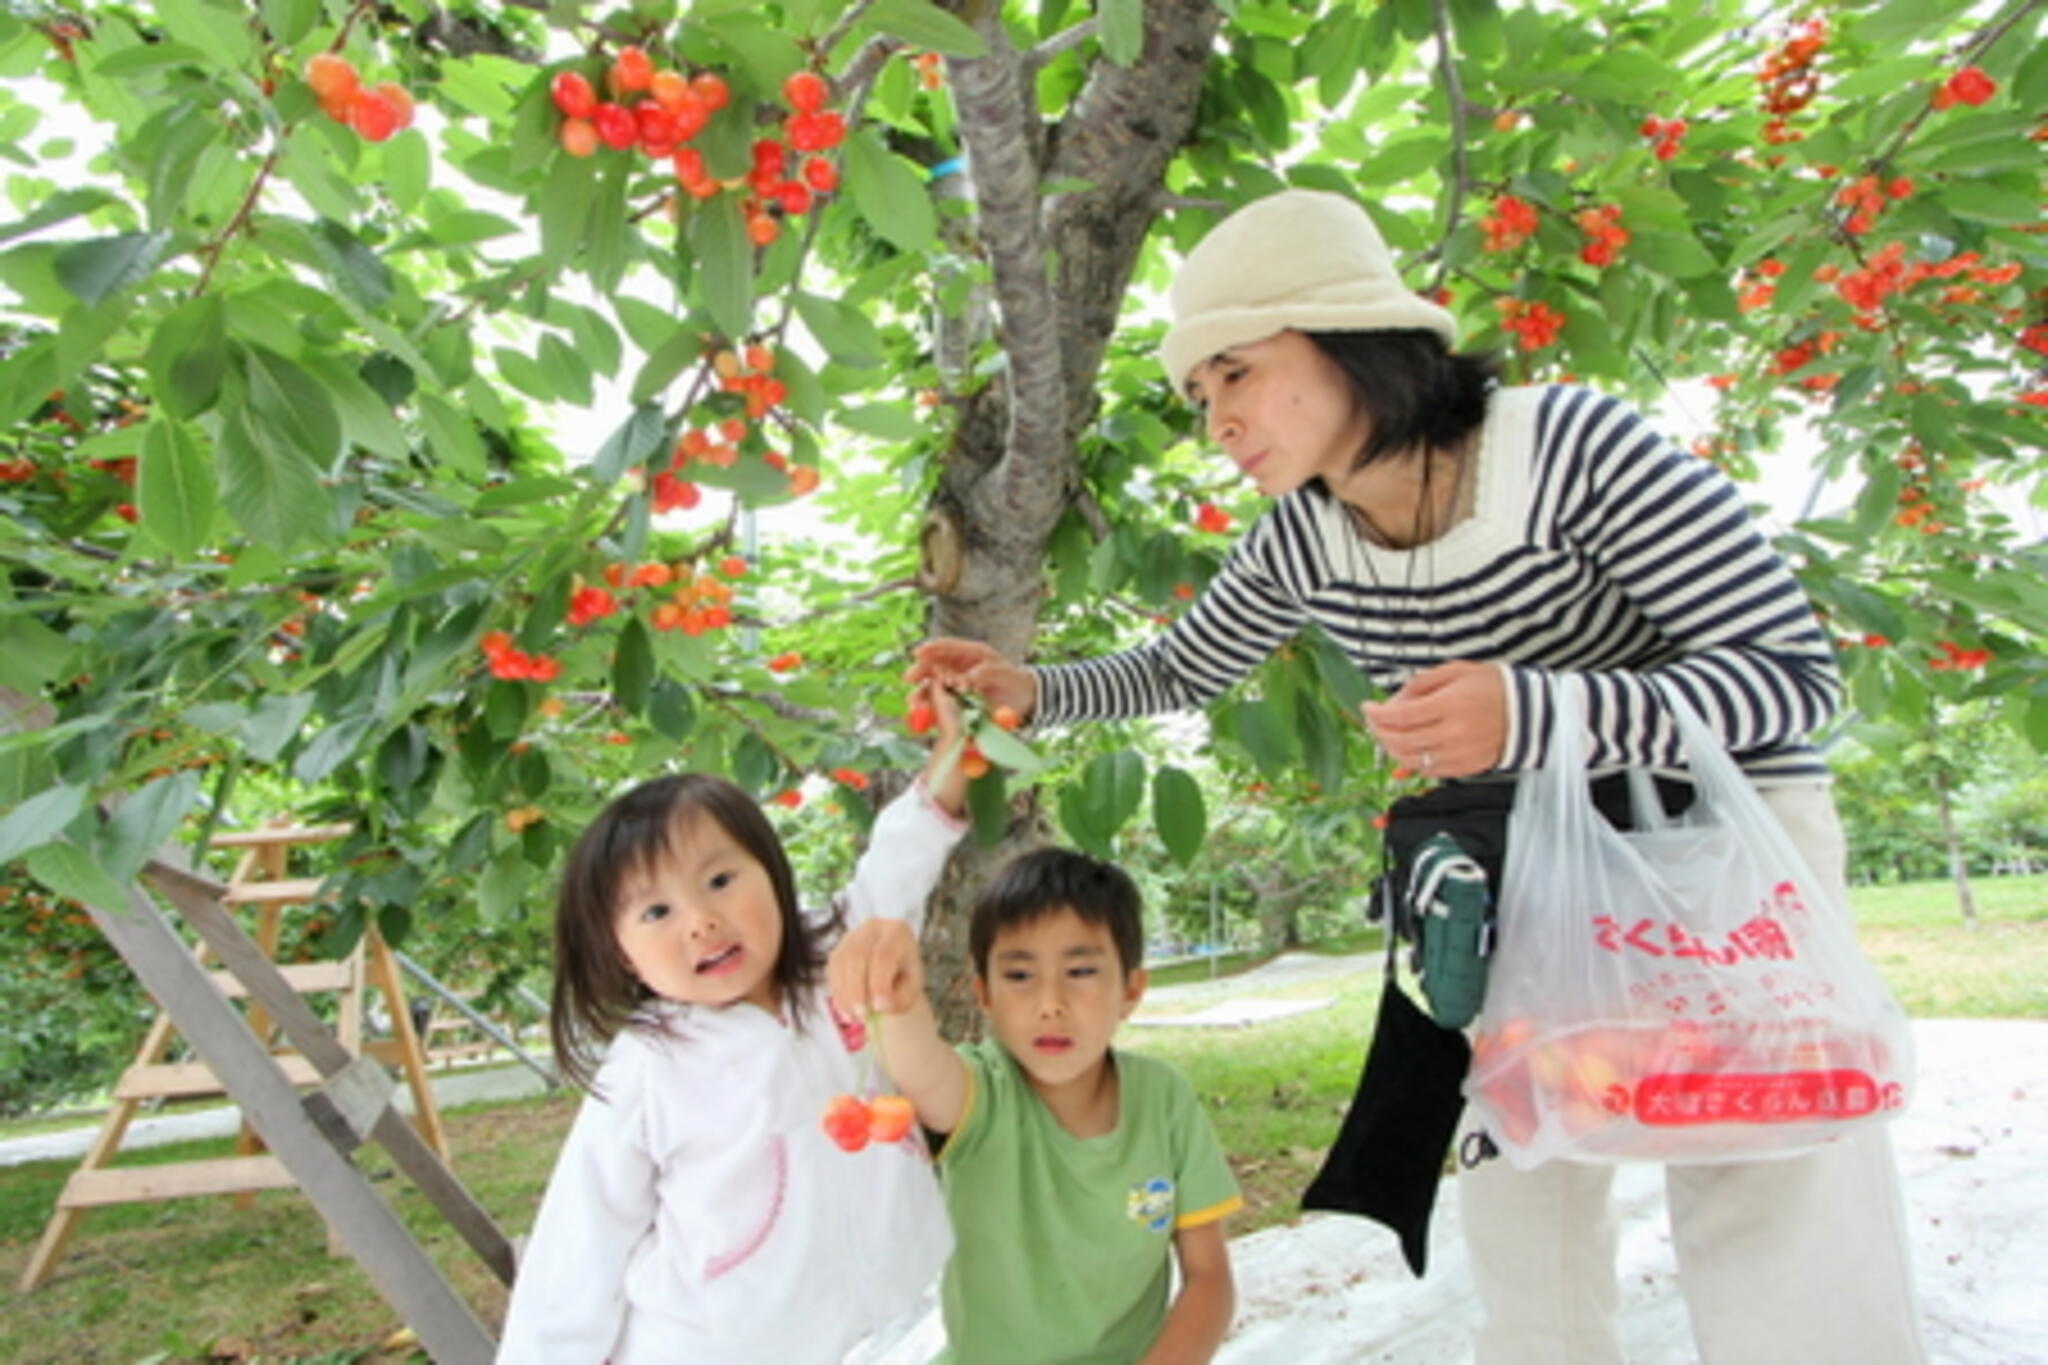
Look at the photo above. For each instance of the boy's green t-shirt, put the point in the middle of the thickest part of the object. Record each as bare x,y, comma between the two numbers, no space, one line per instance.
1063,1245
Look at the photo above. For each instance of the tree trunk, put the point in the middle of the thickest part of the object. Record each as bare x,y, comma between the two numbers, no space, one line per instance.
1012,470
1958,867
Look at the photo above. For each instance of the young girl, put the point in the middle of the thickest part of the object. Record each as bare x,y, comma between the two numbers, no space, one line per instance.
698,1210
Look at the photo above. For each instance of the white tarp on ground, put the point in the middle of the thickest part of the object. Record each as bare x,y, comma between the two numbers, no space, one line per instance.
1973,1151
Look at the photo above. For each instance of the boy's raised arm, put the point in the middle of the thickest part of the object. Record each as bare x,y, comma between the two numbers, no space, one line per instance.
876,968
1201,1312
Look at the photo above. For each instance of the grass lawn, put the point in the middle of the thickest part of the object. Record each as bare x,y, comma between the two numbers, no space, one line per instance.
202,1279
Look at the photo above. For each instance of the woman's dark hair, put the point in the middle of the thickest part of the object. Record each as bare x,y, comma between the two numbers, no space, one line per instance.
1035,884
1418,393
595,994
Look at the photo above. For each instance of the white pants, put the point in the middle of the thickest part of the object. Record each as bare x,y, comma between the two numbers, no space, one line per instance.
1802,1260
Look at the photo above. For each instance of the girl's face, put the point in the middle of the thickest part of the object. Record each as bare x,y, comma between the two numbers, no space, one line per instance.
1282,411
700,925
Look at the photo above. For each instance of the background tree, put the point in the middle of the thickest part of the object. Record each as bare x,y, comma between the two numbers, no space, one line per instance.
304,358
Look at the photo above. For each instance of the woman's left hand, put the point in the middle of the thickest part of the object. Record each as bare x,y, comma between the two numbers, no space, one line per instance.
1447,721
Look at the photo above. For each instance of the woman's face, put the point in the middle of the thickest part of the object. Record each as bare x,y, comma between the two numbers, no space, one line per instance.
1282,410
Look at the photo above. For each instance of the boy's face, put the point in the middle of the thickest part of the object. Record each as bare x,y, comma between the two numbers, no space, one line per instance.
1055,992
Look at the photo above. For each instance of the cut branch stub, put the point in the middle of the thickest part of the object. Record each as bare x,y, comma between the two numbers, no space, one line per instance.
940,554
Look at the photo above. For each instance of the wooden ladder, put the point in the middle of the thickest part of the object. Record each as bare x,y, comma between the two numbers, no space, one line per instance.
261,881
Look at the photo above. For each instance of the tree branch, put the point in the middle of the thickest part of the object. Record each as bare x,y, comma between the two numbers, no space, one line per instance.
1063,41
1002,160
1454,95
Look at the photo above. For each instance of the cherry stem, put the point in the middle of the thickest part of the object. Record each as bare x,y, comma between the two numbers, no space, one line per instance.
879,1055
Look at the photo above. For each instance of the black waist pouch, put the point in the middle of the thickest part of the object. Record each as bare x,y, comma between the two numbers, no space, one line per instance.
1391,1149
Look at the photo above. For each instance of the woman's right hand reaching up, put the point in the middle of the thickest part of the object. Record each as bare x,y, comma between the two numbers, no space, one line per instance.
971,666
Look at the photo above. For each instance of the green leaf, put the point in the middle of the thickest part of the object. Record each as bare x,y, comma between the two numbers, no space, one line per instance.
571,372
665,362
887,421
988,806
144,821
1110,790
39,820
670,710
331,748
63,205
1985,201
638,437
95,269
365,414
188,355
218,29
1322,743
273,723
725,263
290,20
1403,158
921,24
352,265
287,406
501,891
174,487
1122,31
1626,74
633,667
271,490
1266,736
453,437
888,193
843,330
1008,751
1676,254
1179,813
564,206
70,871
31,655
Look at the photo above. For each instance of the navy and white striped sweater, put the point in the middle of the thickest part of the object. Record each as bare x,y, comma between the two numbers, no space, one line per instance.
1594,546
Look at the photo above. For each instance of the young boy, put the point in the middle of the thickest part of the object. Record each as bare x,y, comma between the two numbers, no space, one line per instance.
1067,1167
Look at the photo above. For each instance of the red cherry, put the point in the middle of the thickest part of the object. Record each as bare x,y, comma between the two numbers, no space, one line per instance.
712,90
794,198
374,117
631,70
889,1118
578,137
399,98
333,78
573,95
846,1122
690,113
805,91
821,175
656,124
921,718
668,87
617,126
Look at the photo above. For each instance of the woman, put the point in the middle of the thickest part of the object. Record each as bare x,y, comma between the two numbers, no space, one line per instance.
1463,543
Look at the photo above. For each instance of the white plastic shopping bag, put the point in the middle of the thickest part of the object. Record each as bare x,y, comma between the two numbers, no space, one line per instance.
1687,991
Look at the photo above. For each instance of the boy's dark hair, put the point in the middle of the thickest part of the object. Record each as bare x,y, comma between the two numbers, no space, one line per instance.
1417,392
1035,884
595,994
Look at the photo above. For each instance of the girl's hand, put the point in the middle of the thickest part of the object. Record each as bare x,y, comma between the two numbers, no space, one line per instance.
876,967
971,666
943,776
1447,721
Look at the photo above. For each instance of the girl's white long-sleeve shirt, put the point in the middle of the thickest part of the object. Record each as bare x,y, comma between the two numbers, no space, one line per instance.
699,1213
